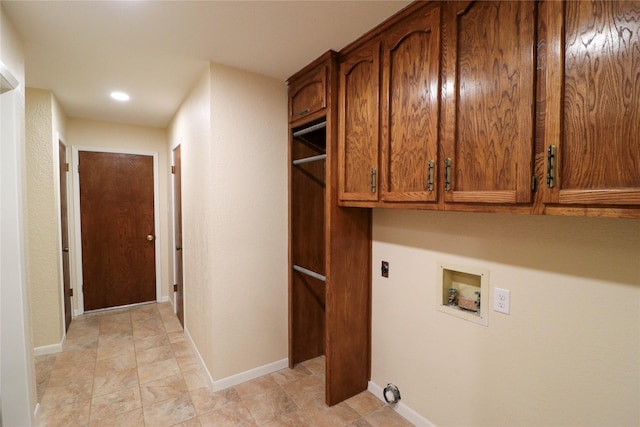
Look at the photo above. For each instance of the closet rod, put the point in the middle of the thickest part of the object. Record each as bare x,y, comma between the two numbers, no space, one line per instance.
310,159
310,129
310,273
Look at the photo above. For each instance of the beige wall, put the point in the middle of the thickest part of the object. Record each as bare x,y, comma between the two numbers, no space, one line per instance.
44,122
566,355
17,373
113,136
235,218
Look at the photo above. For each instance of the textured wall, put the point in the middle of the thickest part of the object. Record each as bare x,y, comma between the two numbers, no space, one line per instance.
43,219
235,218
566,355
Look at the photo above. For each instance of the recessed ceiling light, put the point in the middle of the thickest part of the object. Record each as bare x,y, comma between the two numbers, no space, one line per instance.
120,96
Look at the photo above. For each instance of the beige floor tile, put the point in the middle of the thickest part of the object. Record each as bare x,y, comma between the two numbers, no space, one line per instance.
306,391
72,374
270,406
126,419
152,341
387,417
232,415
360,422
163,389
286,376
258,386
188,363
114,374
57,395
73,412
315,366
176,337
205,400
123,400
320,415
75,357
194,422
110,350
157,370
182,348
195,379
290,419
169,412
146,356
364,403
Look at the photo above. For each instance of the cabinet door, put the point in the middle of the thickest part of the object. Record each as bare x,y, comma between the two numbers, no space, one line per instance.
308,94
359,124
592,129
488,90
410,106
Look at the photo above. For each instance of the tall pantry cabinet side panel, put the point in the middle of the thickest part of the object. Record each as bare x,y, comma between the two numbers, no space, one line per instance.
348,299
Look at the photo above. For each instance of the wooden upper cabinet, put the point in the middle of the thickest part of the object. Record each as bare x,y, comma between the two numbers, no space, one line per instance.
410,107
359,124
488,93
592,108
308,93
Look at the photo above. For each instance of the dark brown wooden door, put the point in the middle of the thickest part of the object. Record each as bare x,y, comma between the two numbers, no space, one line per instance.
64,227
358,139
488,89
117,223
177,227
410,105
593,102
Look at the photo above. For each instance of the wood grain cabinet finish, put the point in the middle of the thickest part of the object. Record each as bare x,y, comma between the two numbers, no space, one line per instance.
359,124
330,317
592,103
410,108
488,92
308,94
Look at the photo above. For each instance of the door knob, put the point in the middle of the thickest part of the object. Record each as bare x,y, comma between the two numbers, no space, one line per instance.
150,237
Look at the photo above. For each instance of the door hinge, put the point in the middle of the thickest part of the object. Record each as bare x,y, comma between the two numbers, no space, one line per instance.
66,167
175,288
173,169
551,166
71,292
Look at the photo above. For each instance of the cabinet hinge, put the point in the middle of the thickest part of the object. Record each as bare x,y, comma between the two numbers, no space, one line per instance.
175,287
447,173
551,166
373,180
66,167
173,169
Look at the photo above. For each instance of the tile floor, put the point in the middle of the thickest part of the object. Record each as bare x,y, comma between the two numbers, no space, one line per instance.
134,367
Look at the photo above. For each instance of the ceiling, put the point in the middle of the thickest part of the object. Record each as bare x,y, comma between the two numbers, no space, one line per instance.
156,50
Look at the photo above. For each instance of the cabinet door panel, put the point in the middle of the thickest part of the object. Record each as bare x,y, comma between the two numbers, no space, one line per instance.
358,140
488,87
308,95
410,105
598,149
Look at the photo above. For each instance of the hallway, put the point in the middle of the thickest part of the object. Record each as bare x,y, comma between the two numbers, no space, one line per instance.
134,367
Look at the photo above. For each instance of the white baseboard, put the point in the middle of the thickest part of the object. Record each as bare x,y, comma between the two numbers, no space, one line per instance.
251,374
163,299
402,409
48,349
237,378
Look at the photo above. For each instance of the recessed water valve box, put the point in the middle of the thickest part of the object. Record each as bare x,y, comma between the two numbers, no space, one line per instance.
463,291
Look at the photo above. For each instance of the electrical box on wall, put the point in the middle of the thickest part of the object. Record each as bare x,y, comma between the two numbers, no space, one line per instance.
463,292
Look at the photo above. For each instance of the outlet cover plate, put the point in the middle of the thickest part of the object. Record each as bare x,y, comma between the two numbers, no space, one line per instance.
502,300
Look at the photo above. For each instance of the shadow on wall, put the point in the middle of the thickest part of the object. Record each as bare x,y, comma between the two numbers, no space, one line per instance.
597,248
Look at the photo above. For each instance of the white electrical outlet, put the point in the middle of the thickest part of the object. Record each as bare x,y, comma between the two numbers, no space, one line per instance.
502,300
